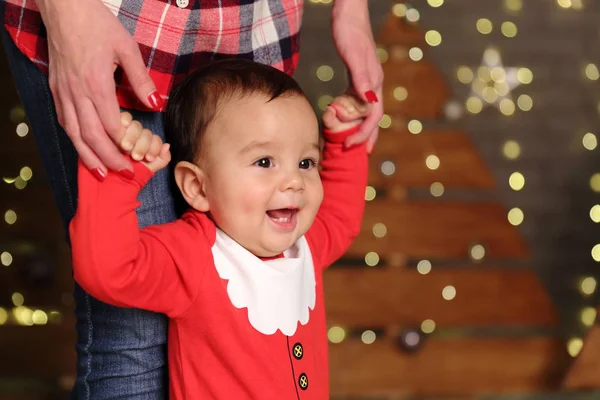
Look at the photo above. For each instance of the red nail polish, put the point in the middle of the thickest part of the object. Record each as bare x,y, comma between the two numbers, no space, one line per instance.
371,96
156,101
98,174
127,174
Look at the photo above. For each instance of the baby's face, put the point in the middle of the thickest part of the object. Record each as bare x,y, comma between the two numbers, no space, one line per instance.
262,181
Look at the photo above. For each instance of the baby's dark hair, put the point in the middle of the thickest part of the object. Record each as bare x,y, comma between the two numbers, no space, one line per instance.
194,102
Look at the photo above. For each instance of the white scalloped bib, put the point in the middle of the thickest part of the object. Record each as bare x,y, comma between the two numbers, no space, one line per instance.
278,293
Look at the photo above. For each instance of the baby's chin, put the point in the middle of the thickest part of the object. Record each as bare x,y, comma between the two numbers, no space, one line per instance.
267,250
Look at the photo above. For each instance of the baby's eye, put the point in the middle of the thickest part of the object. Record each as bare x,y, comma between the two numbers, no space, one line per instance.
264,163
307,163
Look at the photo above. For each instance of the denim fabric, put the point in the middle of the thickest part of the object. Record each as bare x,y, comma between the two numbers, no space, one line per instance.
121,352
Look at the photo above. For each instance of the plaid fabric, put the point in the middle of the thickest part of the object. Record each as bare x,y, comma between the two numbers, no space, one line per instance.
175,40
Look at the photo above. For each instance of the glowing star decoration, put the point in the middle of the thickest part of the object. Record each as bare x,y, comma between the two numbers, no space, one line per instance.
493,84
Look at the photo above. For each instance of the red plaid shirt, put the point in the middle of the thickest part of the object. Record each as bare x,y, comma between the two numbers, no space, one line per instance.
176,36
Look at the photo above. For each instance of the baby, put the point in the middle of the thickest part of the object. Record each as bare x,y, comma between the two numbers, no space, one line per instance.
240,273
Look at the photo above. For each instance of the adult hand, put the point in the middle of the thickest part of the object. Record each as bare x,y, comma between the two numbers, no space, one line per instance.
85,44
353,38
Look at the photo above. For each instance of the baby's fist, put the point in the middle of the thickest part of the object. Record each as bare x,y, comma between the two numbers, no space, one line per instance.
345,112
142,145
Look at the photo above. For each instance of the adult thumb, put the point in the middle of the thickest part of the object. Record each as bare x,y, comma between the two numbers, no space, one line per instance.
132,63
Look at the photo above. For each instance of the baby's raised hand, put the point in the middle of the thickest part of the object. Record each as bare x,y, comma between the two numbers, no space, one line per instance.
345,112
142,145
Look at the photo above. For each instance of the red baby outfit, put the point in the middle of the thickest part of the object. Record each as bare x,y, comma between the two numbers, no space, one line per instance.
240,327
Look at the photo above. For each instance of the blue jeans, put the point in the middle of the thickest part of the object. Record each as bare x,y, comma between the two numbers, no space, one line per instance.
121,353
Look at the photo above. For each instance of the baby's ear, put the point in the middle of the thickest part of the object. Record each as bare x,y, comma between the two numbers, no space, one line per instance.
191,182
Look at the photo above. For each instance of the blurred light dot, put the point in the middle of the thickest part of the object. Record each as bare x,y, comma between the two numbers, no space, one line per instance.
491,56
453,110
574,346
474,105
388,168
525,102
511,150
595,213
501,88
587,286
564,3
415,54
55,317
508,29
507,107
17,299
477,252
324,101
428,326
596,253
498,74
489,95
379,230
325,73
370,193
10,217
382,55
336,334
449,292
485,74
435,3
326,1
22,129
513,5
479,85
3,316
415,126
433,38
516,216
39,317
524,75
26,173
20,183
576,4
591,71
399,10
412,15
516,181
595,182
368,337
25,316
372,259
432,162
424,267
436,189
400,93
6,258
588,316
385,121
484,26
590,141
464,74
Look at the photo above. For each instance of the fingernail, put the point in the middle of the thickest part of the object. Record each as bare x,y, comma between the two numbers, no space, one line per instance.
127,146
136,156
156,101
127,174
98,174
371,96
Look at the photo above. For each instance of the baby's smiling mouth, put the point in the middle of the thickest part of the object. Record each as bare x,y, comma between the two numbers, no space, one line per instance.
284,218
